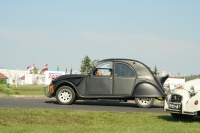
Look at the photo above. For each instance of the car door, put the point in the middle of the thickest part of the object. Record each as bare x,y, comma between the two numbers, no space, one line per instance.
124,79
100,85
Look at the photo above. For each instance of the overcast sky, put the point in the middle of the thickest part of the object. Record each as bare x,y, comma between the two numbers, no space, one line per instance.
61,32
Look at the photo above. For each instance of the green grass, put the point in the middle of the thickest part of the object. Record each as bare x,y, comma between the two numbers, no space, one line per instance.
28,89
50,121
26,86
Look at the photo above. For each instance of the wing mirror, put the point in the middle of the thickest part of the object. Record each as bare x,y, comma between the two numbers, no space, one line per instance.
90,73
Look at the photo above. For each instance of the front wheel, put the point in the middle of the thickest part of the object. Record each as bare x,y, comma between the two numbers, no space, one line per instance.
144,102
181,116
65,95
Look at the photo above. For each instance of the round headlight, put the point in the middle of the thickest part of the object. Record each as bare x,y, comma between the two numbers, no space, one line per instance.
192,90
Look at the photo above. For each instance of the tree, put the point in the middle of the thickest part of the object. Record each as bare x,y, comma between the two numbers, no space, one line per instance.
34,71
2,81
86,65
93,63
155,71
4,87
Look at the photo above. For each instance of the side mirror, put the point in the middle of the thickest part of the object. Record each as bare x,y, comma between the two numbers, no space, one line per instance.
90,73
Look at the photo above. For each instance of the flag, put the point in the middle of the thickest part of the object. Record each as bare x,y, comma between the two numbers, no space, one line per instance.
58,68
30,67
44,69
178,75
66,71
71,71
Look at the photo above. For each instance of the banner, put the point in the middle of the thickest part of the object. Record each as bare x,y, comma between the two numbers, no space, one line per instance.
52,74
36,79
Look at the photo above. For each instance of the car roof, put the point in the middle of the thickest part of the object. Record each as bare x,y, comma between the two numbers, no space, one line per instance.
123,59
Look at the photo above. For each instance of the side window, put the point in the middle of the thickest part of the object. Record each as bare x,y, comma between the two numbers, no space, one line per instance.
103,69
123,70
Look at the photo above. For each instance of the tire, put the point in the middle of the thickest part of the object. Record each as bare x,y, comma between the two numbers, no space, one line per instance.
65,95
144,102
182,116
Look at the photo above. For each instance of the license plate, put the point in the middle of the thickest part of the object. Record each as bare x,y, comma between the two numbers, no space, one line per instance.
175,106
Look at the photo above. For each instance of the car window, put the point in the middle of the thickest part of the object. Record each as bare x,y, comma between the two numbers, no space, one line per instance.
104,64
123,70
103,72
103,68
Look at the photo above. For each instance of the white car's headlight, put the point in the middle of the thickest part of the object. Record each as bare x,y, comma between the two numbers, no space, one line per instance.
192,91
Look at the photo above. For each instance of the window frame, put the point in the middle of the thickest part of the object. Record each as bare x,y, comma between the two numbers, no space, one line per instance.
131,68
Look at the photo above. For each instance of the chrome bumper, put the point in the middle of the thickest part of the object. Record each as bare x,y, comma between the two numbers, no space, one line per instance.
181,112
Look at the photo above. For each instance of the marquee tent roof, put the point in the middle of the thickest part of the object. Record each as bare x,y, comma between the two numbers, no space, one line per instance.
3,76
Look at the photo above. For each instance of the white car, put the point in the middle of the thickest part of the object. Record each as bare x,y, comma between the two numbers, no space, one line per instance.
183,102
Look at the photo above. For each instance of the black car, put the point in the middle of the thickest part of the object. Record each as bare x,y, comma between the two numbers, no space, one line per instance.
110,79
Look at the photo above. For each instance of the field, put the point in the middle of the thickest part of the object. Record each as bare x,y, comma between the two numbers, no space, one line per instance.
53,121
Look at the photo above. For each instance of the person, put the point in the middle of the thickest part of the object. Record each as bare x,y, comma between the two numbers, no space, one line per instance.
98,73
110,72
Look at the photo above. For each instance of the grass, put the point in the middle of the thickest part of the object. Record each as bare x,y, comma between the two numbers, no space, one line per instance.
50,121
27,86
28,89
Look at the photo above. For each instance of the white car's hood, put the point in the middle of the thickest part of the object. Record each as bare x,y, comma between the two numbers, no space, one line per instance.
195,83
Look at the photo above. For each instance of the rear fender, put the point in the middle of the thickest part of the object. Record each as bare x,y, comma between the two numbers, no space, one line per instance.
147,90
162,79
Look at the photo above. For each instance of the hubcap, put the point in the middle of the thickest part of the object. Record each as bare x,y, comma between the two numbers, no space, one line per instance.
144,100
65,95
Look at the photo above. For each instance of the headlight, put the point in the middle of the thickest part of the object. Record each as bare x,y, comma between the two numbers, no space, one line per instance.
192,90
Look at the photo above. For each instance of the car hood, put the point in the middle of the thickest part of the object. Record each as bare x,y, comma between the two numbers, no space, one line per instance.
70,76
195,83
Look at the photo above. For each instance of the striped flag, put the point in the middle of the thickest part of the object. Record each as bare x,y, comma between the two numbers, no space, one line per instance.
30,67
44,69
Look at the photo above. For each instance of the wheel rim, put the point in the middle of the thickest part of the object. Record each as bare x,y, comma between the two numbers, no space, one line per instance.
65,95
144,100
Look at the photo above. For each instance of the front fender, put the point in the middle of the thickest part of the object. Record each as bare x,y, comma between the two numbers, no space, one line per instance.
63,83
147,90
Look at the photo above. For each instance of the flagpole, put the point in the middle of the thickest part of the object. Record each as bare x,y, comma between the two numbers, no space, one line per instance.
16,79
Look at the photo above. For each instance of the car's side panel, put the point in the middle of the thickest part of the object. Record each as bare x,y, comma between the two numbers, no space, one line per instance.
123,85
147,90
99,85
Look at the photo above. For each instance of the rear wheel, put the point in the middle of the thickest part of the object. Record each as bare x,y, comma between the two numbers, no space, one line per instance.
144,102
65,95
182,116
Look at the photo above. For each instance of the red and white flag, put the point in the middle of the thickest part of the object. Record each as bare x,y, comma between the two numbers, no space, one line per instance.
44,69
30,67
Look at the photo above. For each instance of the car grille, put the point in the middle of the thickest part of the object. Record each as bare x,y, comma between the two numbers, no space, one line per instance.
176,98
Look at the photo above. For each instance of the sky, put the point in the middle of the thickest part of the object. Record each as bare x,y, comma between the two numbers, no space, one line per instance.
161,33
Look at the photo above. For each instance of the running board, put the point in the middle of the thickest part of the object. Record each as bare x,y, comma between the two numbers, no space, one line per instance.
111,100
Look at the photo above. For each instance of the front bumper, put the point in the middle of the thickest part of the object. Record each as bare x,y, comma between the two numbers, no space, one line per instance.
47,92
180,112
